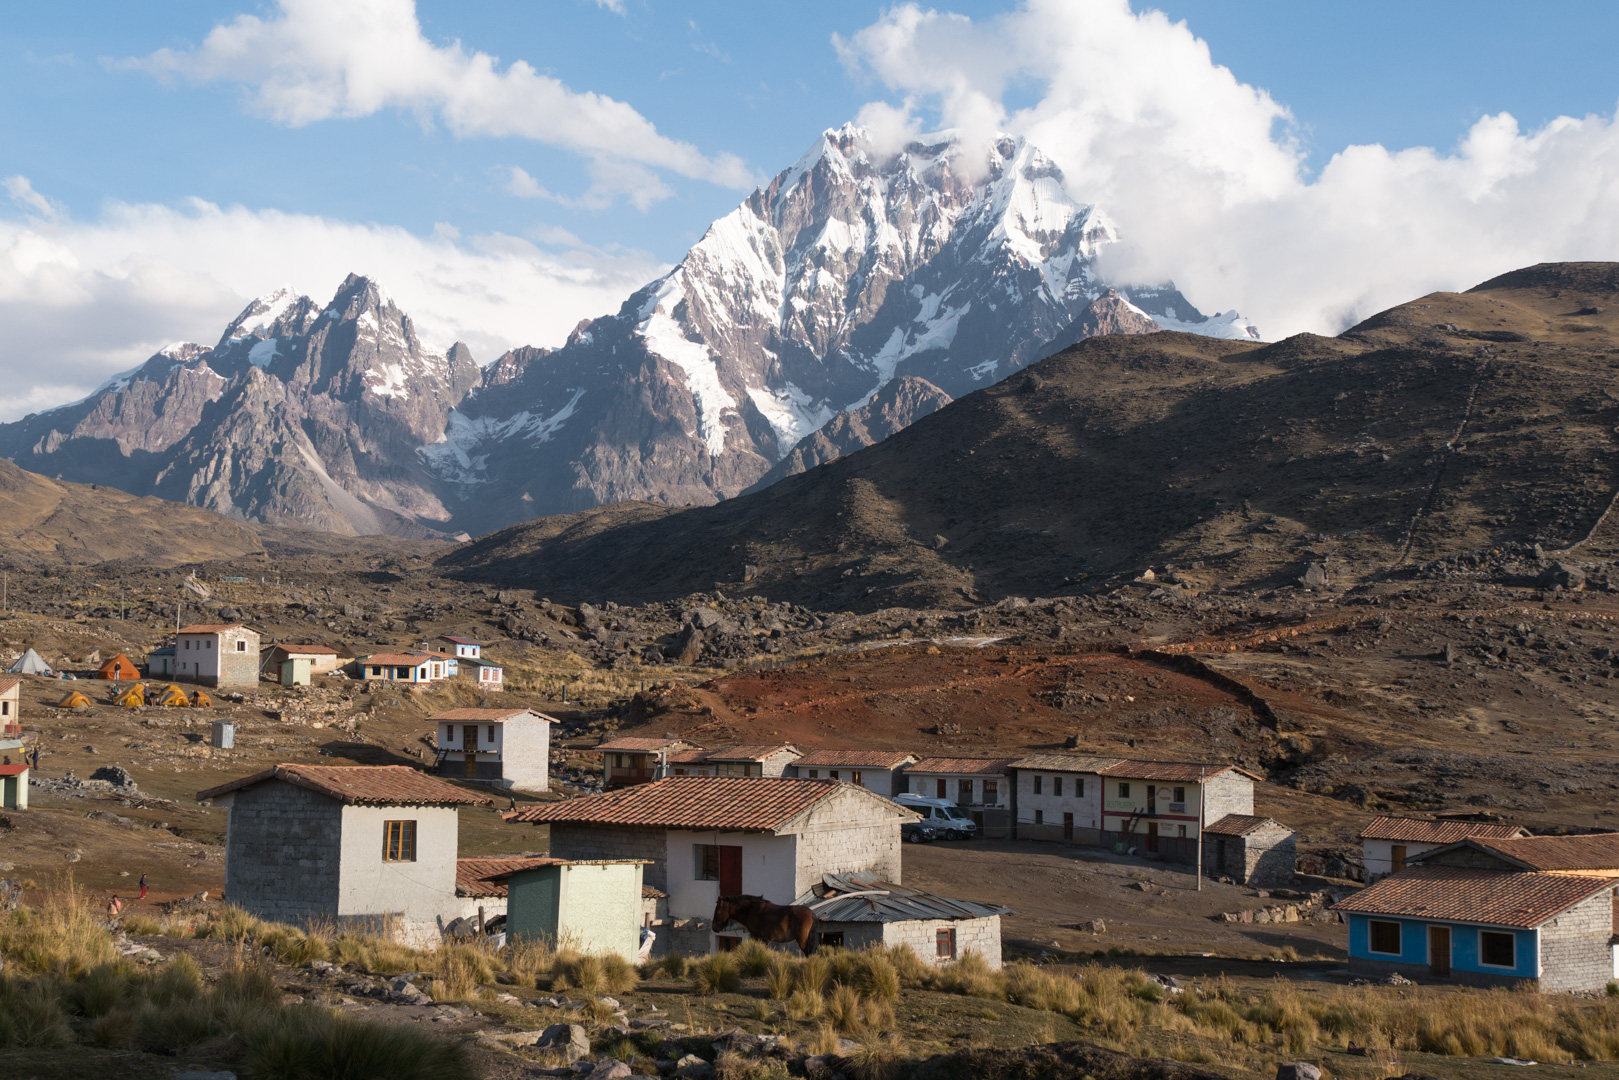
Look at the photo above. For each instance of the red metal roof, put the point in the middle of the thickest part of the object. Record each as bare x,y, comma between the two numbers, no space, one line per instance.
492,716
376,785
960,766
1238,825
472,875
730,803
1424,831
857,759
1462,894
13,770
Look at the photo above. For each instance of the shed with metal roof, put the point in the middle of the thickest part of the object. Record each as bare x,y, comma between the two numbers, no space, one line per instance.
857,910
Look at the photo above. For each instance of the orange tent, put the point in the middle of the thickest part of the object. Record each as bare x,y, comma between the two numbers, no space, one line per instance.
118,667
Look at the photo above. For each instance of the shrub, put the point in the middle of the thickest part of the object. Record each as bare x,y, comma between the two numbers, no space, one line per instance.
670,965
102,989
309,1043
971,975
913,973
64,936
877,1057
779,982
754,957
876,976
717,974
180,980
31,1015
843,1009
845,967
814,973
805,1005
461,970
733,1066
572,971
1037,988
618,974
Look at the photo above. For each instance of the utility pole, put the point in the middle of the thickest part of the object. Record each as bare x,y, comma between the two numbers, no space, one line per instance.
1200,793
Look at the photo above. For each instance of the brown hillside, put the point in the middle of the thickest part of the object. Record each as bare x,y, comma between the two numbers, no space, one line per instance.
1454,423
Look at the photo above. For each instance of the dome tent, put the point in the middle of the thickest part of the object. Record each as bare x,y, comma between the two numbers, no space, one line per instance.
74,700
30,663
134,697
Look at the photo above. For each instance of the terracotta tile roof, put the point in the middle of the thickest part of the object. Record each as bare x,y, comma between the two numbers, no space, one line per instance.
392,659
213,628
748,752
1423,831
636,744
301,650
487,715
1238,825
1463,894
375,785
459,640
9,681
1597,851
856,759
731,803
1186,771
649,893
964,766
1074,763
472,875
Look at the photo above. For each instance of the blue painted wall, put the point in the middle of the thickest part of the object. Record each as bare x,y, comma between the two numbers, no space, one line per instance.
1464,946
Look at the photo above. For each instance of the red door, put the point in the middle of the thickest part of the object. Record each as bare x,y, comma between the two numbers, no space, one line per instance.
730,870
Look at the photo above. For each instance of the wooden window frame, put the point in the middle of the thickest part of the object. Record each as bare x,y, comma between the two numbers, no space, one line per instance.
399,841
1372,926
702,855
1124,790
944,943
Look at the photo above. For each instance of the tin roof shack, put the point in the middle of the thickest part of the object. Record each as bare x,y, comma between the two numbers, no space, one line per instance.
980,786
218,654
1250,850
636,760
1387,843
13,786
322,659
510,748
371,846
856,910
734,761
490,676
879,771
590,906
1485,927
710,836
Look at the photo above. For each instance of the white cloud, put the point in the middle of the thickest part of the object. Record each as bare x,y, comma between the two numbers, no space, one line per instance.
318,60
23,194
80,301
1207,185
615,6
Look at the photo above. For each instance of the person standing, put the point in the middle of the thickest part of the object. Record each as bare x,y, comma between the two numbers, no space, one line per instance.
143,886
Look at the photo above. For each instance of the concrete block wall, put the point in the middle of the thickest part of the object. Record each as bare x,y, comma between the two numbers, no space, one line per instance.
1228,793
1574,949
525,753
282,852
981,936
572,841
1271,854
239,669
848,831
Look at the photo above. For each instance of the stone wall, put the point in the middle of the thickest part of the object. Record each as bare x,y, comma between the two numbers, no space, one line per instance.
1228,793
1264,857
282,852
981,936
571,841
1574,949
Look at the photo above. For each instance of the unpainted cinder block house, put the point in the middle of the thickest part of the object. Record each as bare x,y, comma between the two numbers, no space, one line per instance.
373,846
217,654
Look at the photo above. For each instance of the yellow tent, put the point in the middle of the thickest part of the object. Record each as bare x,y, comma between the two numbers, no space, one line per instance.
200,700
174,696
74,700
135,695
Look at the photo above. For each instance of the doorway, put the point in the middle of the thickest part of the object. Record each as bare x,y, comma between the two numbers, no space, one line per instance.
1152,835
1152,802
1439,952
1068,827
940,790
730,870
469,747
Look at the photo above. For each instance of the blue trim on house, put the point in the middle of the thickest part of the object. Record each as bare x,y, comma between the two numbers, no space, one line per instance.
1464,945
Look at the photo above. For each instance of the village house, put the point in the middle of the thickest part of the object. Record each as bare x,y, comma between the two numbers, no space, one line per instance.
590,906
853,911
1486,927
733,761
13,785
490,676
879,771
980,786
636,760
372,847
507,747
1591,854
401,667
1388,843
1250,850
704,837
10,706
160,663
306,661
217,654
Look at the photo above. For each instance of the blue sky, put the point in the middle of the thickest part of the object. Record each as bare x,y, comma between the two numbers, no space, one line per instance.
113,145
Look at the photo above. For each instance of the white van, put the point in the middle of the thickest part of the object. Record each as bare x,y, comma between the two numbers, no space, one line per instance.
949,820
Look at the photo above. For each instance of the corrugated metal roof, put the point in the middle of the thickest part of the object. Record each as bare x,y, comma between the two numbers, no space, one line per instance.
729,803
885,902
638,744
1191,771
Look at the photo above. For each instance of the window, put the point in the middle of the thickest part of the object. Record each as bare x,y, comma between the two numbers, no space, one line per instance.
833,774
1180,795
1037,779
1384,937
854,776
1497,949
944,944
1079,788
489,736
210,643
5,708
815,774
188,646
1039,817
398,841
618,761
708,862
1124,791
241,646
966,788
1396,857
832,938
1056,786
1182,830
992,792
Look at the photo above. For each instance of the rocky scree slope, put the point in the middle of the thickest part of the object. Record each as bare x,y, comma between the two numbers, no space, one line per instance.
1454,423
301,415
848,271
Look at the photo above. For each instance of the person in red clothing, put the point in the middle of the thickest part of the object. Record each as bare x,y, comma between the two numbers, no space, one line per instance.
143,886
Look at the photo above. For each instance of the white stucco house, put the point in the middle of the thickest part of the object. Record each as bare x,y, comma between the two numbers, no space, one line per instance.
370,846
745,760
510,748
879,771
406,667
217,654
1388,843
704,837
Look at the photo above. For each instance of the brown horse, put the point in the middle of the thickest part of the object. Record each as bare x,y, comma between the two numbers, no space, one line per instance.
769,922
